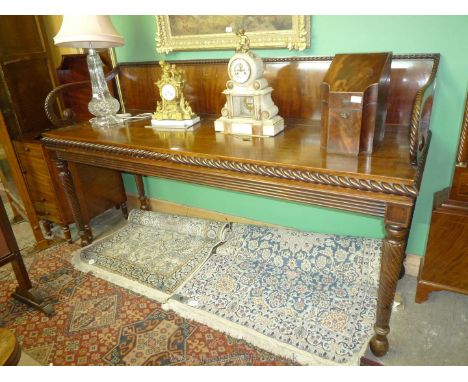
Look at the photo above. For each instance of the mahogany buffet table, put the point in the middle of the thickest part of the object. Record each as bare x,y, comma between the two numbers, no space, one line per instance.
291,166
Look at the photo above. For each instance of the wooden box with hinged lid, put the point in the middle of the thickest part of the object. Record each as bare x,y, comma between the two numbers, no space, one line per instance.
354,102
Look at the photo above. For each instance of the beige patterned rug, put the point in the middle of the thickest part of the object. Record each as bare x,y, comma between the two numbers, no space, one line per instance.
154,253
305,296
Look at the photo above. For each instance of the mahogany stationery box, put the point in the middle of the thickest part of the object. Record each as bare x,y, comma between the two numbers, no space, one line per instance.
354,102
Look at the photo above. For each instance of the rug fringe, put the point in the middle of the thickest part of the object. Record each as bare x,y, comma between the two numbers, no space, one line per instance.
115,279
255,338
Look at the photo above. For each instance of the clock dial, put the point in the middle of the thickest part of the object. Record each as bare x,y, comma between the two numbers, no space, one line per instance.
240,70
168,92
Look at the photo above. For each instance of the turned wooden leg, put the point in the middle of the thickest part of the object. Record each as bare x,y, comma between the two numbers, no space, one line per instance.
123,207
67,182
144,203
402,269
392,258
47,227
397,221
89,233
67,233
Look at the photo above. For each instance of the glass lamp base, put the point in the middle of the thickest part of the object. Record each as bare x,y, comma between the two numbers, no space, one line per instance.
105,121
102,104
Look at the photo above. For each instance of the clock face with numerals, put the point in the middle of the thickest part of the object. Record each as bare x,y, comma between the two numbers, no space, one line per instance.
168,92
240,70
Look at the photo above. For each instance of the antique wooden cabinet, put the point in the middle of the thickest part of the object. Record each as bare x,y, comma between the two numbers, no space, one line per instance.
445,265
354,102
26,79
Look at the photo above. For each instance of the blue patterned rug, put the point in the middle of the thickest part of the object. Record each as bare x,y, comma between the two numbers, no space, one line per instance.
306,296
154,253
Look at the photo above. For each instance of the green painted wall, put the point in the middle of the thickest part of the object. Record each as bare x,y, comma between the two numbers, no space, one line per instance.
447,35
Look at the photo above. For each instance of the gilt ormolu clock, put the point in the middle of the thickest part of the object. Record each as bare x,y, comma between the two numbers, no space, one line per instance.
249,109
174,110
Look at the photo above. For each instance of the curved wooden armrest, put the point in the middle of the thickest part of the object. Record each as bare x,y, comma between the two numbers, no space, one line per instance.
69,117
419,138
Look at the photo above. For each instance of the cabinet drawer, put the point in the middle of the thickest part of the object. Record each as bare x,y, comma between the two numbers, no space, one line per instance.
37,177
30,149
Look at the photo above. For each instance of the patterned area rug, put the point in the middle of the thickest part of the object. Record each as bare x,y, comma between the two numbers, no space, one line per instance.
305,296
98,323
154,253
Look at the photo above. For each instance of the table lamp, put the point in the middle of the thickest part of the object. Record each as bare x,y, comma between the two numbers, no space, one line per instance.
92,33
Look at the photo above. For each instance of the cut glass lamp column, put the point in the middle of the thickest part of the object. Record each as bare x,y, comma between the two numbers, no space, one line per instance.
102,104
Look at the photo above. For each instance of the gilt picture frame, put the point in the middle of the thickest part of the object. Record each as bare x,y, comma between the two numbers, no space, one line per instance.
186,33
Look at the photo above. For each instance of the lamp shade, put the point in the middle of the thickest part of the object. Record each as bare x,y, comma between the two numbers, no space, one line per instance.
88,32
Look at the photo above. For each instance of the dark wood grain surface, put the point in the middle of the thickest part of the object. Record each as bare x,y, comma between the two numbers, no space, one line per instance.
445,264
297,147
295,80
354,102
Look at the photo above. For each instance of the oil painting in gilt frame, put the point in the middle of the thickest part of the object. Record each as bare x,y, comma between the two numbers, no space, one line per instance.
178,33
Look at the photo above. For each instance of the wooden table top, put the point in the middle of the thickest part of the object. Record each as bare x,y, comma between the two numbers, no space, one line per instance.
297,147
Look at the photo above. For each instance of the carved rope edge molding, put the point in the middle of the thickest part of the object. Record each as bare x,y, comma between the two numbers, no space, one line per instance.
246,168
462,154
415,133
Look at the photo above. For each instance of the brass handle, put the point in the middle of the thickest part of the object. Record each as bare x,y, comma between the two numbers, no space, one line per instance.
344,115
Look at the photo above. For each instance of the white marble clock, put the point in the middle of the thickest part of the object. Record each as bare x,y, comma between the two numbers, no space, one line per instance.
249,109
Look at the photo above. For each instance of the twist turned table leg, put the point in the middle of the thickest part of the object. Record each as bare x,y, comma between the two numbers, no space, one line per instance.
67,182
67,233
392,257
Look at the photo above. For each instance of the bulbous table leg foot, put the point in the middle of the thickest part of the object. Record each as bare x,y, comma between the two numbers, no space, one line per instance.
379,345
